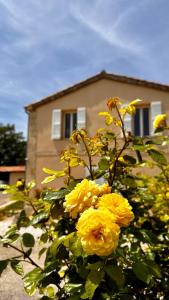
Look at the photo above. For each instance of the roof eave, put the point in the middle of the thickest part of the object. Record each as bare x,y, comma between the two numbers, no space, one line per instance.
101,75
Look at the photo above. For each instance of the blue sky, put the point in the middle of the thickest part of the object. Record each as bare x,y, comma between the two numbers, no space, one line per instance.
46,46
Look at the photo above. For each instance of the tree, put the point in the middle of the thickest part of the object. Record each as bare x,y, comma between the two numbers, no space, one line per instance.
12,146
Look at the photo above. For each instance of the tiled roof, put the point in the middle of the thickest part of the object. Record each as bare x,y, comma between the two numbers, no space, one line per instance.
101,75
12,168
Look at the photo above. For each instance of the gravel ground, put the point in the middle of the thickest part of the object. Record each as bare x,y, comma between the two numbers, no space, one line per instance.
11,285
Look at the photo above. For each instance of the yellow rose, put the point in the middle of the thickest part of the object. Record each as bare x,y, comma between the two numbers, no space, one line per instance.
113,102
98,231
159,121
104,189
119,206
84,195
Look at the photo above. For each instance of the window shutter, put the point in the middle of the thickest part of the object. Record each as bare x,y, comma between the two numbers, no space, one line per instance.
56,124
156,109
127,121
81,117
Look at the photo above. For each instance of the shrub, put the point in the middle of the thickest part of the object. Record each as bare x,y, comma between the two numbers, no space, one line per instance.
99,241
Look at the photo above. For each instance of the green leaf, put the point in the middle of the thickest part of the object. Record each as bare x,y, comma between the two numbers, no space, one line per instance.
148,236
72,242
104,164
57,241
42,216
11,207
130,159
42,251
49,267
139,147
154,268
54,175
11,235
141,270
31,280
48,179
44,237
52,172
74,297
72,287
23,220
93,280
110,136
17,267
160,129
3,265
157,156
115,274
96,266
52,196
31,184
28,240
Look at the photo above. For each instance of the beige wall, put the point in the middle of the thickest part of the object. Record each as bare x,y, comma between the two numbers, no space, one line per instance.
44,152
14,176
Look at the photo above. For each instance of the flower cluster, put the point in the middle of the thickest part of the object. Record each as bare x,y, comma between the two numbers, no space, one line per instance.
101,212
84,195
160,121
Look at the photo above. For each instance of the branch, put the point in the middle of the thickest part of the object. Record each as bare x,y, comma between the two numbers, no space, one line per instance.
23,253
89,157
122,123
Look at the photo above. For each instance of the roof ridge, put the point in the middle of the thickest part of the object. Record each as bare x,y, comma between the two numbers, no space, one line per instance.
101,75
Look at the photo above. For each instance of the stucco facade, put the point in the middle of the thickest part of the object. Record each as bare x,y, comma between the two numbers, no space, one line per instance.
43,151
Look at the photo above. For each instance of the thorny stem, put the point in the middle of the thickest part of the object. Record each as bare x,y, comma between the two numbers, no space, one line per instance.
30,202
116,161
69,172
126,142
23,253
89,157
32,205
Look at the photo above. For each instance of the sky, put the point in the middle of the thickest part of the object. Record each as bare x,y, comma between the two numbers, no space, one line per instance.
46,46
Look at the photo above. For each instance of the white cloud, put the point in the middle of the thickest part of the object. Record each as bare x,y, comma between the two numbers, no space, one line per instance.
48,45
108,27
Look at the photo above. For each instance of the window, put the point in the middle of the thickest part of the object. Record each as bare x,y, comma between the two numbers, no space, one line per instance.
141,121
69,122
141,124
64,122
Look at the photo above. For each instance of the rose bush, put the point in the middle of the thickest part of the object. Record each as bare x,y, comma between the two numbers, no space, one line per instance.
98,241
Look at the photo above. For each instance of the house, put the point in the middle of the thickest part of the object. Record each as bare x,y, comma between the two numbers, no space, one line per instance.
11,174
52,119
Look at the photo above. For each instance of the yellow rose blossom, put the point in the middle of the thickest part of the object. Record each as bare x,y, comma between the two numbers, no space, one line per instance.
84,195
119,206
159,121
104,189
98,231
113,102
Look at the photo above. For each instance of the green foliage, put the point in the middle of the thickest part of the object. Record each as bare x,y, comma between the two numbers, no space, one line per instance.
12,146
138,268
3,265
28,240
17,266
